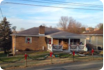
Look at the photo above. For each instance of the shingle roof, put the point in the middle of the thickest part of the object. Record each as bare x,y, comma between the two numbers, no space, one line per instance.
53,32
95,32
35,31
64,34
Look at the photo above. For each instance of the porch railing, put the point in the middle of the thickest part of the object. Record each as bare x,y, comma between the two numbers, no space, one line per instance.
71,48
77,48
55,47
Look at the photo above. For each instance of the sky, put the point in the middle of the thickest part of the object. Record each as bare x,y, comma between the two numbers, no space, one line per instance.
26,16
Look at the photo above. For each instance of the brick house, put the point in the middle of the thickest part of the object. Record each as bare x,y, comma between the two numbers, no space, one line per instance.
45,38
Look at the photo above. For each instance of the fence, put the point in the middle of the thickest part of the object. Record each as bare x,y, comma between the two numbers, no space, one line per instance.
45,59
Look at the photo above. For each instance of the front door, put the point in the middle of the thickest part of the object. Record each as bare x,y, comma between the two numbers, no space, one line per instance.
64,43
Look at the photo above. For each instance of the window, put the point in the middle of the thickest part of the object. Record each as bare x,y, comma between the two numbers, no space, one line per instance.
75,41
49,40
28,39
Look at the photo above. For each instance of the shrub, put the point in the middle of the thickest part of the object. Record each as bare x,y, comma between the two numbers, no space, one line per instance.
90,47
99,48
101,53
27,49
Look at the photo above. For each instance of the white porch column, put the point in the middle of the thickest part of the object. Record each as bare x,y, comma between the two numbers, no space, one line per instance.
69,45
51,44
85,48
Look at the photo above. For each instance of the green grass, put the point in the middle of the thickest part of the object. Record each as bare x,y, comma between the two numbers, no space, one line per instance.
32,62
34,56
11,59
63,55
39,53
42,56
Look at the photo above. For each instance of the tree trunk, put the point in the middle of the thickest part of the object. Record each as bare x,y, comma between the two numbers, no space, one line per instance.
4,50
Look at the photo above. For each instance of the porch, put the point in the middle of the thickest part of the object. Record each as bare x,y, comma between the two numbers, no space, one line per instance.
66,45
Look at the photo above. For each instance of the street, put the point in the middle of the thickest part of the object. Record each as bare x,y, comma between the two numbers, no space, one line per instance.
90,65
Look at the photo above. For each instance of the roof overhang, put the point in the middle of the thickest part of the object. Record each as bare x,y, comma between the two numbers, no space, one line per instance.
75,37
25,35
92,34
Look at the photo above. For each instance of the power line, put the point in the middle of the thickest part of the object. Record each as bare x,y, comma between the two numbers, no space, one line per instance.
1,12
65,3
50,1
50,6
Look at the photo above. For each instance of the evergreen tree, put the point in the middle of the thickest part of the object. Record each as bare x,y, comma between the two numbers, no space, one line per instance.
5,38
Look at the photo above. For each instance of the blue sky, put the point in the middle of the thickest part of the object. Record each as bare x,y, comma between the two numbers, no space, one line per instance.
23,16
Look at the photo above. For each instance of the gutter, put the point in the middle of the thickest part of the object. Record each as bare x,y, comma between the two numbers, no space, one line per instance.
77,37
91,34
26,35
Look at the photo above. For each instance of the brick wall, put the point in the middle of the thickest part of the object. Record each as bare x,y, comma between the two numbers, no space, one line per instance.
13,44
37,43
42,29
42,42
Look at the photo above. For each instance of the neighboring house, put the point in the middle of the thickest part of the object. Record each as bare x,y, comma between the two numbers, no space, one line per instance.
95,38
90,30
44,38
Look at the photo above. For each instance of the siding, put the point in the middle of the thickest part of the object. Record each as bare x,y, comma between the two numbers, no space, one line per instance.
95,40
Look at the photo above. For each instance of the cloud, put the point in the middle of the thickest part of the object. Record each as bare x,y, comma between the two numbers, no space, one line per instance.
22,23
1,1
53,19
30,16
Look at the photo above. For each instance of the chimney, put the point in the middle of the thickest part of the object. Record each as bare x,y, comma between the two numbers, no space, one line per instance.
41,29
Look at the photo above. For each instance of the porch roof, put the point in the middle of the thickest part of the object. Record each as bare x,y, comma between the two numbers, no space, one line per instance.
63,34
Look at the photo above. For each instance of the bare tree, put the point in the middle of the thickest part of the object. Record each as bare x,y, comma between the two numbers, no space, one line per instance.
22,29
91,29
63,22
100,26
44,24
83,29
71,25
14,28
74,26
